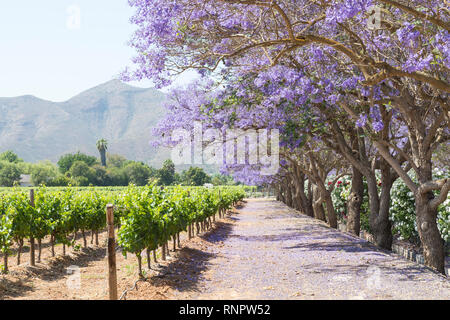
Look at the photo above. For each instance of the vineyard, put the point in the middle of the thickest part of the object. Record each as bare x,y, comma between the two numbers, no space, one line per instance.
146,217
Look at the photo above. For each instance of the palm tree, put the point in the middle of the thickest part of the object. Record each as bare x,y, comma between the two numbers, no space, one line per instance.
102,146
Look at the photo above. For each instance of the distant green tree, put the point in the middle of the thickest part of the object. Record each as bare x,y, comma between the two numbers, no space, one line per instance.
10,156
116,160
116,177
101,176
9,174
166,174
25,167
138,173
222,180
82,181
82,173
195,176
177,179
60,181
44,173
67,160
102,146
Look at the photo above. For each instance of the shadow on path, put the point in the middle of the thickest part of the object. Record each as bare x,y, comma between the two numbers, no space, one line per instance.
185,271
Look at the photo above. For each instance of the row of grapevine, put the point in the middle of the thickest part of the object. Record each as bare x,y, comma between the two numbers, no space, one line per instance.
148,216
153,216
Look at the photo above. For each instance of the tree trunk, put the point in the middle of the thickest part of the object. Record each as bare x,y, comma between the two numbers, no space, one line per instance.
289,196
380,225
149,262
300,196
433,245
354,203
139,258
331,213
382,229
5,263
103,157
84,238
154,256
52,241
19,251
309,200
32,257
39,249
319,213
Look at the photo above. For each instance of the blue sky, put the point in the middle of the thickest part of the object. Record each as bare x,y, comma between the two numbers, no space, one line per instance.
47,51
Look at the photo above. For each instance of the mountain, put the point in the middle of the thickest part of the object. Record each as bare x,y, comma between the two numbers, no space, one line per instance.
37,129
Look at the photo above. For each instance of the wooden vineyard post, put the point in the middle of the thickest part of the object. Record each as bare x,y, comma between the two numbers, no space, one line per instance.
32,256
112,271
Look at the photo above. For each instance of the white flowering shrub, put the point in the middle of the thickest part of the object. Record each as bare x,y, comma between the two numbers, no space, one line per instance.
340,196
403,216
402,211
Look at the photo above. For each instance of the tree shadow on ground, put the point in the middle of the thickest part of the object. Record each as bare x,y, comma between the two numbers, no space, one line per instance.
187,269
12,287
16,284
348,246
305,233
406,271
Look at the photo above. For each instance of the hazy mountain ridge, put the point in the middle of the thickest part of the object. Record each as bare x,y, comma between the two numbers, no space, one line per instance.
37,129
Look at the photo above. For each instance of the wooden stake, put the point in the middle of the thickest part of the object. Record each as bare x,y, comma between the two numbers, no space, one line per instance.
32,256
112,271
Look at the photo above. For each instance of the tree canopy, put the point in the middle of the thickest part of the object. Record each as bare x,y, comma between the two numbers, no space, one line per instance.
355,88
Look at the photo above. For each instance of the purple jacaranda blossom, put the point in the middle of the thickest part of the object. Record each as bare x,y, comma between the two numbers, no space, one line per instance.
361,122
378,125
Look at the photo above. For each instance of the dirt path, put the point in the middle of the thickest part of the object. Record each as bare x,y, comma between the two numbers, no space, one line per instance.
270,252
263,250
